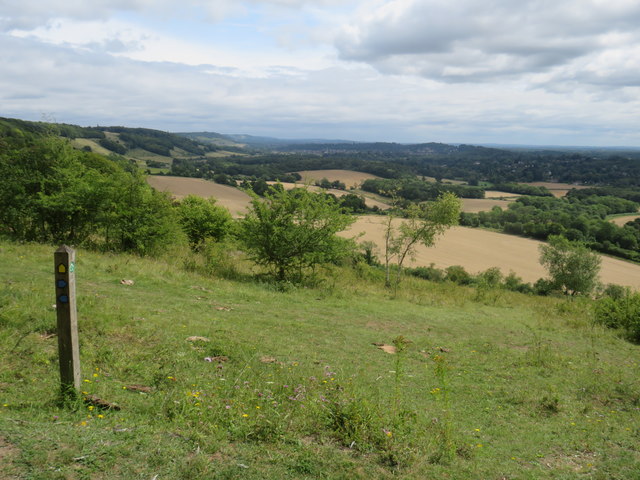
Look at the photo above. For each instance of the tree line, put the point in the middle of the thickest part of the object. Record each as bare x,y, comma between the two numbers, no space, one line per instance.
576,217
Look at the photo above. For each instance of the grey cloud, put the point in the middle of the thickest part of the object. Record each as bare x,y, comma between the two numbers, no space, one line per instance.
93,87
471,41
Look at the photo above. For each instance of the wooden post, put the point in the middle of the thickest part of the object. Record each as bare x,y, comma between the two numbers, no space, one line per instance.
68,347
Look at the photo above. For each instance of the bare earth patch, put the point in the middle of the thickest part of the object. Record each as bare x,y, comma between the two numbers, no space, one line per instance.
179,187
499,195
620,221
475,205
477,250
8,454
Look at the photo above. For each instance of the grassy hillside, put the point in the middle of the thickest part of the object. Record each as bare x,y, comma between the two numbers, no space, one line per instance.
236,379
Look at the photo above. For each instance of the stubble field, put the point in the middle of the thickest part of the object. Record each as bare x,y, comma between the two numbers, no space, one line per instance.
477,250
474,249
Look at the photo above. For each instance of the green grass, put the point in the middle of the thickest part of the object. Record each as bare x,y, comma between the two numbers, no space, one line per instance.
492,386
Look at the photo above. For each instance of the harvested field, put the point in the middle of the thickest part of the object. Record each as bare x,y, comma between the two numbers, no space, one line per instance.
498,194
370,202
475,205
557,189
235,200
477,250
444,180
620,221
348,177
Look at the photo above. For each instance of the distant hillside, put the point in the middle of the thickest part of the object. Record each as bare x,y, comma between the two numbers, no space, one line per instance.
279,142
153,149
211,138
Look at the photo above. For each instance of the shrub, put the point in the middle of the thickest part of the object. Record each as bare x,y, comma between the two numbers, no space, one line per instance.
457,274
573,268
622,313
515,284
428,273
491,277
202,219
291,232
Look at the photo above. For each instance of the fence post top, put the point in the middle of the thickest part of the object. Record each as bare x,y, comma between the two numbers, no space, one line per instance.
64,249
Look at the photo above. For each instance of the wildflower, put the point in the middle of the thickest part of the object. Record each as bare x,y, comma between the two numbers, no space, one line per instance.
5,404
83,423
86,381
227,407
100,416
258,407
245,415
476,429
95,375
91,407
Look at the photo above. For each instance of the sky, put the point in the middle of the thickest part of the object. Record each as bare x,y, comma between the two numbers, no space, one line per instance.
533,72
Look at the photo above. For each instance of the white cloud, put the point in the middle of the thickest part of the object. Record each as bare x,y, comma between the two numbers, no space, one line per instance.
518,75
471,41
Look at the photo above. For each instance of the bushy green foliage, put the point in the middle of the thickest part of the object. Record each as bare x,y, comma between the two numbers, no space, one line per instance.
621,313
54,193
203,219
292,231
113,146
418,190
457,274
573,268
522,189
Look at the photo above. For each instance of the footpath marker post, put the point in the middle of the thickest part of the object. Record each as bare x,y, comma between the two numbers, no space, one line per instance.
68,346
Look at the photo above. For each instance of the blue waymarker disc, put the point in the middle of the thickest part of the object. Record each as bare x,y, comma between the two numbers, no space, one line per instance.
63,299
61,284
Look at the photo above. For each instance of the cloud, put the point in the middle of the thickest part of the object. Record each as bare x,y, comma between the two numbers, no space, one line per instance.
471,41
495,73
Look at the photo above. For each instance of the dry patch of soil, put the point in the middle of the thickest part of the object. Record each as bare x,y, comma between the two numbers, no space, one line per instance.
499,194
179,187
475,205
8,454
477,250
349,177
620,221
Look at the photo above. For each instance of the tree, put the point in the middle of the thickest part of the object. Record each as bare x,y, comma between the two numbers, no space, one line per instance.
201,219
53,193
423,224
292,231
573,268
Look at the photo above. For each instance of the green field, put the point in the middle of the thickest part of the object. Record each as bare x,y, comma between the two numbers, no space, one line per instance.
235,378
